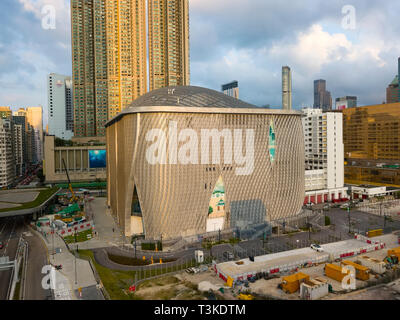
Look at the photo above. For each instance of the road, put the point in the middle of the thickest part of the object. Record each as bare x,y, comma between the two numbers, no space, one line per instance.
11,229
37,258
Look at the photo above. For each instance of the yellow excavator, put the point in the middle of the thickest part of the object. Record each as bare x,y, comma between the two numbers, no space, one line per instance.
74,198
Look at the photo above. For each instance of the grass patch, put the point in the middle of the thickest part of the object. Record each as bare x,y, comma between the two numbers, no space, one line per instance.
115,282
42,197
118,282
80,237
130,261
159,282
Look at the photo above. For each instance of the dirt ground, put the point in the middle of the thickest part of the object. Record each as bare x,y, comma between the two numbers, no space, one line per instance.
184,286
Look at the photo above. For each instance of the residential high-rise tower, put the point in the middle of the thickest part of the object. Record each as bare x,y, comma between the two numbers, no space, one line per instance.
168,27
126,53
89,67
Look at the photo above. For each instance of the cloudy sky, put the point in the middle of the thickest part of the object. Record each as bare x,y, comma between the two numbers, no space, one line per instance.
248,41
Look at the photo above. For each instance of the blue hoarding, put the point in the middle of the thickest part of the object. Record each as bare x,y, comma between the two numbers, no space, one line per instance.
97,158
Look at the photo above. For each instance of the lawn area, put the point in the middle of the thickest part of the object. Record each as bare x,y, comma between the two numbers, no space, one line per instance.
80,237
118,282
40,199
115,282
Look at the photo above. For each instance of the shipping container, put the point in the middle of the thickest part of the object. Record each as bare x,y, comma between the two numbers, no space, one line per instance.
375,265
314,289
291,284
335,272
395,252
375,233
362,272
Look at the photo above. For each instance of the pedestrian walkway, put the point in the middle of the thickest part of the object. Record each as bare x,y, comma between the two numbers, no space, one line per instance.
75,273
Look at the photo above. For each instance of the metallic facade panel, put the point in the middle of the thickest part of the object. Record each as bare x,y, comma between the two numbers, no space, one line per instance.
174,198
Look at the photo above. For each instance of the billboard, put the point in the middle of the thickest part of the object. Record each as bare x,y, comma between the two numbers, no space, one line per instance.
97,158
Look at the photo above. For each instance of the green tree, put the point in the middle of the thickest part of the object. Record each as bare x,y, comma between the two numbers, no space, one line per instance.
327,220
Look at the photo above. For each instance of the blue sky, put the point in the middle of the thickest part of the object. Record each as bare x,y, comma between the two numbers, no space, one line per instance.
248,41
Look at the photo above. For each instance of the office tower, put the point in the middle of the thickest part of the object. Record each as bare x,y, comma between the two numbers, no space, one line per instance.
34,116
372,145
126,53
324,152
398,78
60,108
286,88
231,89
89,67
7,167
5,113
392,91
168,28
346,102
322,97
28,135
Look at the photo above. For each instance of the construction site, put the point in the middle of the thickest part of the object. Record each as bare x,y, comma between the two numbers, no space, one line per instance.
339,269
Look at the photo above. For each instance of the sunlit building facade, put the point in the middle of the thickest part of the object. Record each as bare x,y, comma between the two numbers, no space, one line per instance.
126,53
372,144
183,192
168,27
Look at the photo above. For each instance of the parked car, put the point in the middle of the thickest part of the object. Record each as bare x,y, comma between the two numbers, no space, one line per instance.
316,247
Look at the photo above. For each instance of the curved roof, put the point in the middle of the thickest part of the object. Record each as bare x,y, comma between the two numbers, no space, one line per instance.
189,96
191,99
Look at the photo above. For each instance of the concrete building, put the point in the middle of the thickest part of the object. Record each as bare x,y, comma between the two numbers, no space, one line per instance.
322,97
115,74
185,191
60,107
372,145
324,156
126,53
346,102
5,113
286,88
168,29
231,89
7,164
34,116
89,71
85,162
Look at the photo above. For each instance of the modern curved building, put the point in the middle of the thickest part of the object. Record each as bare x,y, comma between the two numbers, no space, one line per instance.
186,160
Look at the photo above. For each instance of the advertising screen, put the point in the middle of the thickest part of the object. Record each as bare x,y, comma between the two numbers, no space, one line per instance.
97,158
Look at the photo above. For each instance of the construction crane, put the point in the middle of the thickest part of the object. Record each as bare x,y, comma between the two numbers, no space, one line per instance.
73,199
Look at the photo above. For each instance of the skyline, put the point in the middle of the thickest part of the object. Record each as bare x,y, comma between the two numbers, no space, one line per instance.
311,41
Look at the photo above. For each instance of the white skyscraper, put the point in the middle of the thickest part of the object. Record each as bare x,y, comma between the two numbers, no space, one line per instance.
286,88
324,155
60,108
